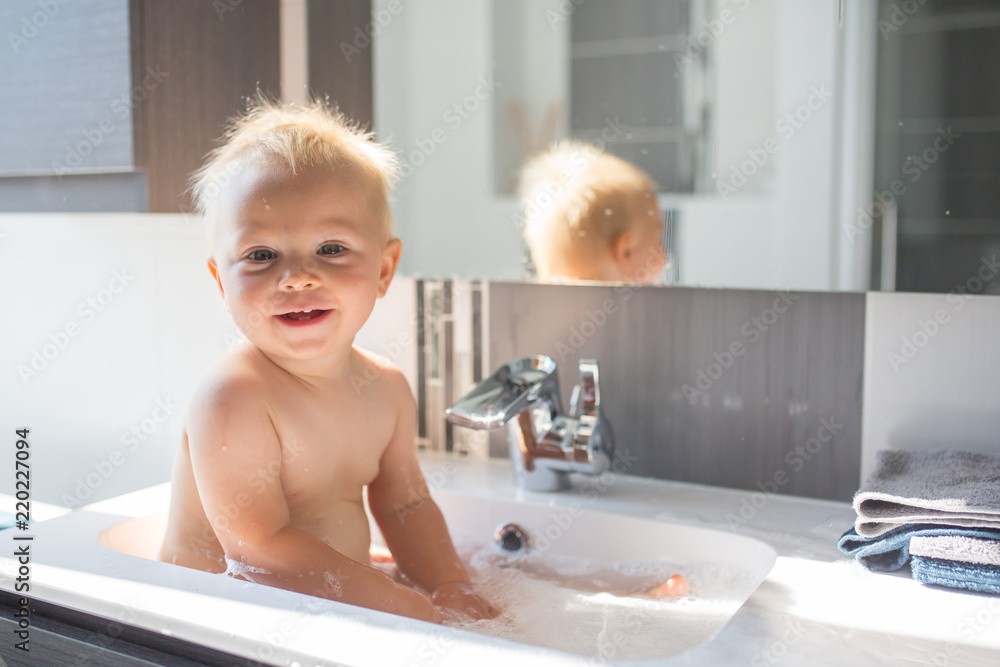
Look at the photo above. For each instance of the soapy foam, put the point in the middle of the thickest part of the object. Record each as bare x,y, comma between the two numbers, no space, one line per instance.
334,585
237,568
586,606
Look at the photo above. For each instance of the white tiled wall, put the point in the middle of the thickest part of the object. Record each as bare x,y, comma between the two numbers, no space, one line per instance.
391,330
932,374
158,326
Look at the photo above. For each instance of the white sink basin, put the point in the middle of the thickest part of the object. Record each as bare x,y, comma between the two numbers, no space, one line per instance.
571,549
554,593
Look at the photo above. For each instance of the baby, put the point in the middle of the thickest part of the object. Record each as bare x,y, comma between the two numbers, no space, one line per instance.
590,216
278,443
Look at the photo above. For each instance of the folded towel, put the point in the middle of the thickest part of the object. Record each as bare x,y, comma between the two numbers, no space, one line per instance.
957,560
932,487
891,550
956,574
960,546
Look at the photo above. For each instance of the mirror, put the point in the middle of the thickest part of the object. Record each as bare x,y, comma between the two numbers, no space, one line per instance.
772,128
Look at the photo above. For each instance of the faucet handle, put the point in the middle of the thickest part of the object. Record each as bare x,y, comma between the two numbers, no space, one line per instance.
586,397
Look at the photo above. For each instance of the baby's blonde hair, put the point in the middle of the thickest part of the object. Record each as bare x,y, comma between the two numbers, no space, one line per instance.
295,136
576,200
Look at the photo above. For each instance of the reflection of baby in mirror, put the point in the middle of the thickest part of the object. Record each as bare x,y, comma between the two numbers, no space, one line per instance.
590,216
286,430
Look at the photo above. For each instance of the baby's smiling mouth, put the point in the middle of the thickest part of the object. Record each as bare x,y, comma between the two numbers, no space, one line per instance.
303,315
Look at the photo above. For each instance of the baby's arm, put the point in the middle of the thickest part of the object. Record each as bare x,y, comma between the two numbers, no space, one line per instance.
232,440
411,522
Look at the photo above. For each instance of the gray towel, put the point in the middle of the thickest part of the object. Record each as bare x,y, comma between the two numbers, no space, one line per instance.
947,488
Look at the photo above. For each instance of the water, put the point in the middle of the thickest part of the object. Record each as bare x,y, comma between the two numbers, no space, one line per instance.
587,607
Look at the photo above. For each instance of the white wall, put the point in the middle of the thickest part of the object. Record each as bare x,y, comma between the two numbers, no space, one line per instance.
149,343
725,243
777,230
804,189
742,86
931,368
434,55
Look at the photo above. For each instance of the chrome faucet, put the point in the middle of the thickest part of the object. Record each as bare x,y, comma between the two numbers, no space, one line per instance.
545,444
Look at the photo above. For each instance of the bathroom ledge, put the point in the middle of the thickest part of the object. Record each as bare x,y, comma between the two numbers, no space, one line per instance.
816,606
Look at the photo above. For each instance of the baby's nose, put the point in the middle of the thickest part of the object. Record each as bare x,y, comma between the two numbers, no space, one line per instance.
299,277
297,284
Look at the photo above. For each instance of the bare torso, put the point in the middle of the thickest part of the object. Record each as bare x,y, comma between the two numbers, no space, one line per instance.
332,439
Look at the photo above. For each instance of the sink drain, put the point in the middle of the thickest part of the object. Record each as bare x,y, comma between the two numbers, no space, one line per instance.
511,537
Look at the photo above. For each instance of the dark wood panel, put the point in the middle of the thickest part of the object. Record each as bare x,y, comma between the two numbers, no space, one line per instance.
196,63
681,402
340,55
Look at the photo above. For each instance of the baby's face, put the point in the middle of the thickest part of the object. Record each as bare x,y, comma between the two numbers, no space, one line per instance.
287,244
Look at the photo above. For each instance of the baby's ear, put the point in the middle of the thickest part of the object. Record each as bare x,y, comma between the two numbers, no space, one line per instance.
390,260
624,251
213,268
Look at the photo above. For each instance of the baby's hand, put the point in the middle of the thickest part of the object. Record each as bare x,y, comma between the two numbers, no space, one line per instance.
415,605
674,587
458,596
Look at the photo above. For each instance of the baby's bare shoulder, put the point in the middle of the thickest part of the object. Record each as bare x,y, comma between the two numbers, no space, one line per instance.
378,376
231,387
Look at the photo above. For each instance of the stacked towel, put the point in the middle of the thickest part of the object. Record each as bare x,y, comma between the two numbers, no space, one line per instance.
940,507
962,560
942,487
890,551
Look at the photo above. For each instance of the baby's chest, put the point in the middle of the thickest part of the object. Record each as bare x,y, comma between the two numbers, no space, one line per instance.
333,448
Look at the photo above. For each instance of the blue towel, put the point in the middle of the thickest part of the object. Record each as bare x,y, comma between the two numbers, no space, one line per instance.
890,551
956,574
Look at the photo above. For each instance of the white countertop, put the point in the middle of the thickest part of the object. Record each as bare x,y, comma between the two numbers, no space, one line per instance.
816,607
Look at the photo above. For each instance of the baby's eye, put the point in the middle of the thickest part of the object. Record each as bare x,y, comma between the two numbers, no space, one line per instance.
332,249
261,255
